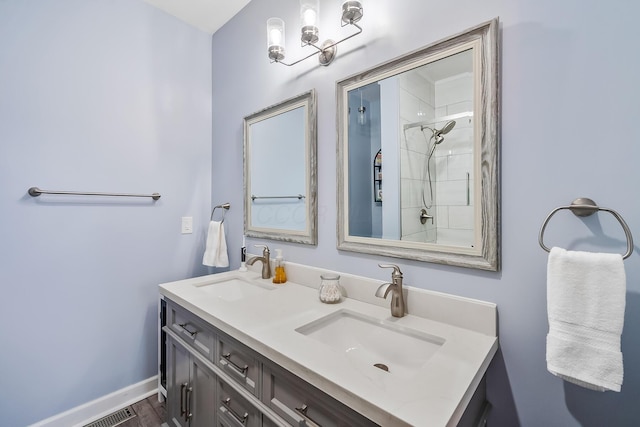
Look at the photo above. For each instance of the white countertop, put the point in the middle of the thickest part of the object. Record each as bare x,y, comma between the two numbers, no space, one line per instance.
436,395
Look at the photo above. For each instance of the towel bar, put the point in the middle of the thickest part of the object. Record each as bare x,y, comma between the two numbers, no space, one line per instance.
585,207
35,192
299,197
225,207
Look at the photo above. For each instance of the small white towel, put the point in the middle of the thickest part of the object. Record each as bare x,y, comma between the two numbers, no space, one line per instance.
585,304
215,254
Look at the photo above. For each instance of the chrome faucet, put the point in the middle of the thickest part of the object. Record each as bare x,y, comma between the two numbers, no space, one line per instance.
395,287
266,263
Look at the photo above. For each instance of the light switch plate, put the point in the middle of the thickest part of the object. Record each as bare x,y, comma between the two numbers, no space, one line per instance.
187,225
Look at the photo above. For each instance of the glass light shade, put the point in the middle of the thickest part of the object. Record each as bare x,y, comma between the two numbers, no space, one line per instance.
309,10
352,11
362,112
362,115
275,38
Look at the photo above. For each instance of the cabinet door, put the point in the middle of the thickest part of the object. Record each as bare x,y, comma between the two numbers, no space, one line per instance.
201,399
191,389
178,361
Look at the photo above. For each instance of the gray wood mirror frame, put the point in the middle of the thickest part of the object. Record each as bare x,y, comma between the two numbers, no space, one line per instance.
418,154
280,171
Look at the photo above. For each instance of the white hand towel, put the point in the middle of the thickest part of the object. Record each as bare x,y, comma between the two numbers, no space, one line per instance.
585,304
215,254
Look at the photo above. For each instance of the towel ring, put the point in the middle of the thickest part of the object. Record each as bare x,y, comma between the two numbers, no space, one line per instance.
585,207
225,207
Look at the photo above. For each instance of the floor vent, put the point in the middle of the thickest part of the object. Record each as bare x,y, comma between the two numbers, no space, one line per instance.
114,419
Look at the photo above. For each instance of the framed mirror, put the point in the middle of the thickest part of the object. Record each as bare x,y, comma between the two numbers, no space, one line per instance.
280,184
418,154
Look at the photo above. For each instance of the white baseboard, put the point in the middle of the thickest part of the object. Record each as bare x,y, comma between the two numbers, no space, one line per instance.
103,406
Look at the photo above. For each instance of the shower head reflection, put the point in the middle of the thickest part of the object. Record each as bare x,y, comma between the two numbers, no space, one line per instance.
437,133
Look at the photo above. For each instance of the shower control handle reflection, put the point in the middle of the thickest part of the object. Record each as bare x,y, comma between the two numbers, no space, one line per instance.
424,216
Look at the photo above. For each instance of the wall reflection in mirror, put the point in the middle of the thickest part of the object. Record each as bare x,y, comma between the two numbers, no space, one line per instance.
411,169
277,150
280,170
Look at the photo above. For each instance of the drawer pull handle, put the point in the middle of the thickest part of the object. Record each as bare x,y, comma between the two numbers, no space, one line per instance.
307,419
241,370
184,327
183,411
241,419
188,413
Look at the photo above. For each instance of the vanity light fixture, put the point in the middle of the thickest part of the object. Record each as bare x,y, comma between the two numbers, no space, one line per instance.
352,12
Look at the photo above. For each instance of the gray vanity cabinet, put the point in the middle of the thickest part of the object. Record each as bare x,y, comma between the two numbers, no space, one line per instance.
215,380
191,388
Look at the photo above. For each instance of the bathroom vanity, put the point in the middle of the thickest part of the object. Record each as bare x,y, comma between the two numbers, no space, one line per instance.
241,351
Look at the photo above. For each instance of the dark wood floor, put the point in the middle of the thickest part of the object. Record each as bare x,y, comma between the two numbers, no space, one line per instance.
149,413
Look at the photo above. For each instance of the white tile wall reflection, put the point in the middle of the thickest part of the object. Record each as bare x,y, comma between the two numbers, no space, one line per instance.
451,165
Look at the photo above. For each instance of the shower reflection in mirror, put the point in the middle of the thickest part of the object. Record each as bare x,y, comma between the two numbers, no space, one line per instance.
422,120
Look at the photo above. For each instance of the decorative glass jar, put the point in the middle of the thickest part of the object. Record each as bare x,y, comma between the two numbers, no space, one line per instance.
330,288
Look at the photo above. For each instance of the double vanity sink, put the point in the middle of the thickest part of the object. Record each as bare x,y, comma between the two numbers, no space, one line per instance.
422,369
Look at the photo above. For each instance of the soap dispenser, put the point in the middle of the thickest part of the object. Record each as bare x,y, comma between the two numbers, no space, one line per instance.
280,275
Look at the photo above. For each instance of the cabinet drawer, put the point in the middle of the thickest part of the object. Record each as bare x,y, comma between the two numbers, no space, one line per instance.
238,361
234,410
302,405
191,329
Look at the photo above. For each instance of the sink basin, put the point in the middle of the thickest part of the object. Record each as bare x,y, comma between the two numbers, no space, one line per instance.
370,343
235,289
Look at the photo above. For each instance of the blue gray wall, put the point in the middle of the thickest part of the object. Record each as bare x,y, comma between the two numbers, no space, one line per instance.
106,95
569,128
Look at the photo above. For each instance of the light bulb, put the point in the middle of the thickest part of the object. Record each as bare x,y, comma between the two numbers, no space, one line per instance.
275,36
309,17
